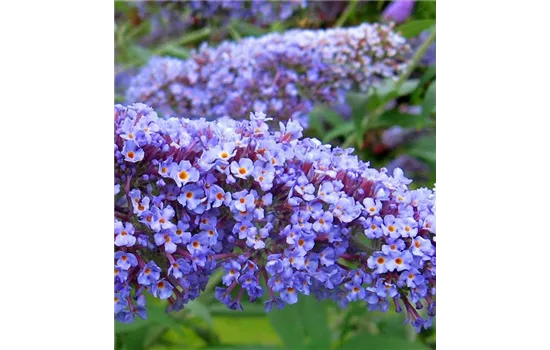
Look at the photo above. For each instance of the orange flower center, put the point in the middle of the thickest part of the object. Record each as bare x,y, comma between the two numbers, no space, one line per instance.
242,171
131,155
380,260
183,175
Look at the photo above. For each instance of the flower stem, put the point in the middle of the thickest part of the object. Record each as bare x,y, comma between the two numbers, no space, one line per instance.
345,15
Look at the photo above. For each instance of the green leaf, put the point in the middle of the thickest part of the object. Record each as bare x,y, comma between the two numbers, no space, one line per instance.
428,75
323,114
243,347
174,51
388,86
360,104
353,310
342,129
247,29
413,28
303,325
234,329
423,148
380,342
393,117
129,327
136,340
428,104
198,309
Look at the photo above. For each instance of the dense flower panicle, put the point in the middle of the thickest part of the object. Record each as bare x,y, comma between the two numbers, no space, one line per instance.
279,214
258,11
281,74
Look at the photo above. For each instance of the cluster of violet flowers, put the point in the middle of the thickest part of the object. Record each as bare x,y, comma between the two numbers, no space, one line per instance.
170,18
281,215
281,74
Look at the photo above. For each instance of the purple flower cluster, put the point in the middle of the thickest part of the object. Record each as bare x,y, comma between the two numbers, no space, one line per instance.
280,74
276,212
258,11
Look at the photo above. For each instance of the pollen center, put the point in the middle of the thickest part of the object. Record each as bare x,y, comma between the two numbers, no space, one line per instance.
160,284
399,261
123,233
147,271
417,244
391,228
219,196
380,260
242,200
189,195
301,242
224,155
131,155
242,171
196,244
183,175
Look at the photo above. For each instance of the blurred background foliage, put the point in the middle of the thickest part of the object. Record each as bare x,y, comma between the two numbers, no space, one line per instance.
390,126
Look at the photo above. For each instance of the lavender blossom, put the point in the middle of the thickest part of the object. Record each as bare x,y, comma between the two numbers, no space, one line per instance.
195,203
398,11
281,74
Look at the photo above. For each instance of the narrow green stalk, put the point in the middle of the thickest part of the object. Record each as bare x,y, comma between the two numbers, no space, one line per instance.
347,12
420,52
185,39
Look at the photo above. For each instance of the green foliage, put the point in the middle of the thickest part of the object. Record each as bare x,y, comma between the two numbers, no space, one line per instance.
414,28
303,325
380,342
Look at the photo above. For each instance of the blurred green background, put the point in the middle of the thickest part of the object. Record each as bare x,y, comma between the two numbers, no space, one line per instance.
154,28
